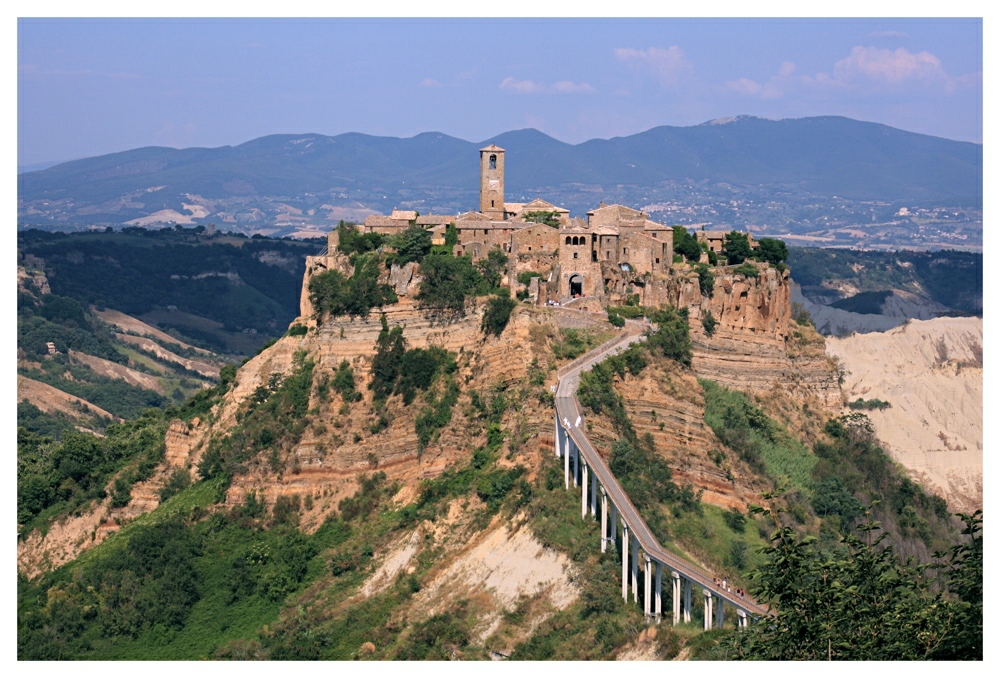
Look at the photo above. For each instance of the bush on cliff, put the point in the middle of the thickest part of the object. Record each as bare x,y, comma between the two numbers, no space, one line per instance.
333,295
673,334
686,244
736,248
352,241
497,314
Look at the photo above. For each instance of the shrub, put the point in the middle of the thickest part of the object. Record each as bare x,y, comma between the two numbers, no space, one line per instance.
332,294
708,322
297,330
541,217
524,277
736,521
343,382
616,319
497,314
747,269
873,404
413,244
673,334
706,281
178,481
447,282
737,556
352,241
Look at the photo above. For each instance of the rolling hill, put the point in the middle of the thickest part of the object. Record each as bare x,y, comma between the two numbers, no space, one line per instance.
310,179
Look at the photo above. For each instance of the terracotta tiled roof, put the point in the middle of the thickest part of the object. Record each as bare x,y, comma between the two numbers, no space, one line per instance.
491,148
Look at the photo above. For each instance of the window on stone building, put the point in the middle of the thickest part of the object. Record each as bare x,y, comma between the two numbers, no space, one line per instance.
576,255
493,162
625,251
568,240
657,260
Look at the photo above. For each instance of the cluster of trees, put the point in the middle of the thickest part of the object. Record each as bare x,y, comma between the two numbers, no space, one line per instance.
736,248
449,280
136,274
397,369
861,602
543,217
333,295
55,477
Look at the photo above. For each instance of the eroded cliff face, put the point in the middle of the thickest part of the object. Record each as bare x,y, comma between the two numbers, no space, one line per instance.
931,373
755,346
338,445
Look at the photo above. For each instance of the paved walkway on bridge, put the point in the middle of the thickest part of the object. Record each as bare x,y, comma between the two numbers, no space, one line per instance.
568,410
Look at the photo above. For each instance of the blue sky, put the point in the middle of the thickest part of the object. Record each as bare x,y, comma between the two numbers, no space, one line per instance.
93,86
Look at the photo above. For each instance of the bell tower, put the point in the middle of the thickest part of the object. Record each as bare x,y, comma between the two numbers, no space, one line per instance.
491,181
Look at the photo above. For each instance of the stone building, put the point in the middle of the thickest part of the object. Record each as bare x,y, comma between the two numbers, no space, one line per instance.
578,258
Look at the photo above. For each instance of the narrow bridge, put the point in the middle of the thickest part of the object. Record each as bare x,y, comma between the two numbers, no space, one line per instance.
589,468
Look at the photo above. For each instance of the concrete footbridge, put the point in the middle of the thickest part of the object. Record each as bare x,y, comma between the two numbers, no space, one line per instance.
590,472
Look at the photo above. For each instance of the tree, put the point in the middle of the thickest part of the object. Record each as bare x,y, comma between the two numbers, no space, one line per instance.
497,314
673,334
736,247
413,244
450,236
771,250
706,281
447,282
492,268
390,347
862,602
686,244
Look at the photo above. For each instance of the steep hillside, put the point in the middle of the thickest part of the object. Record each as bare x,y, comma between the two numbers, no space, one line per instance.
931,375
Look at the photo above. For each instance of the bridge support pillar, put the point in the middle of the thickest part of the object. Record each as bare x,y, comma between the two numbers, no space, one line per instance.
687,600
584,472
576,466
614,524
604,520
675,596
658,597
720,612
708,609
648,588
566,454
741,619
624,562
593,496
635,569
557,441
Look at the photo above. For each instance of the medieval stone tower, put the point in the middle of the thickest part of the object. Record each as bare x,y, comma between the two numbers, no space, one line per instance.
491,181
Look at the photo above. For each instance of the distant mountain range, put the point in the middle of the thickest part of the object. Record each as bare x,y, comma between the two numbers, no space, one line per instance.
311,179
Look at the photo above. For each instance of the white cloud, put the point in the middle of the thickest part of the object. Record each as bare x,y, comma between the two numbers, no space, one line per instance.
568,87
668,64
429,82
745,86
774,88
892,67
522,86
560,87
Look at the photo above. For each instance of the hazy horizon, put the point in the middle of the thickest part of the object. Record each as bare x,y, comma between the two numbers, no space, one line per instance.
90,87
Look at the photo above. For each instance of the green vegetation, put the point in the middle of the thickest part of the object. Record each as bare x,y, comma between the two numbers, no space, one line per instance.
542,217
271,423
706,281
747,269
344,384
351,240
396,369
575,343
864,302
497,314
736,248
615,319
673,334
413,244
709,323
686,244
954,279
766,446
872,404
175,585
863,603
297,330
333,295
33,420
54,478
772,251
449,280
62,321
136,271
